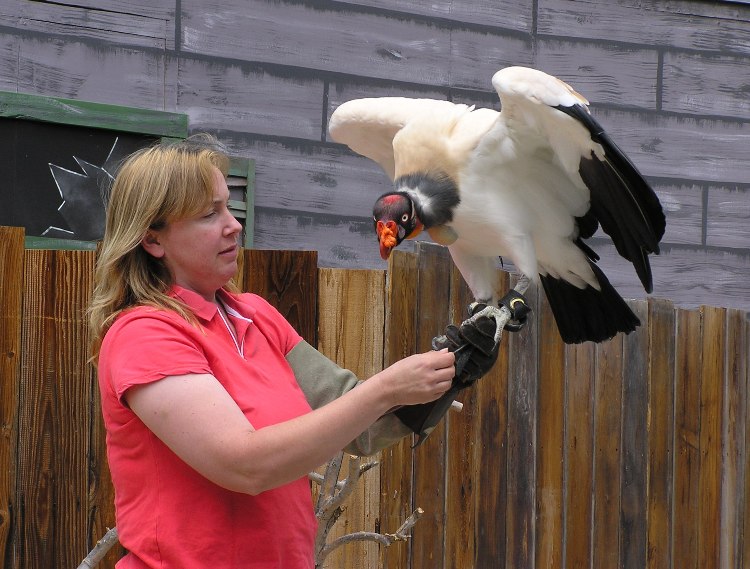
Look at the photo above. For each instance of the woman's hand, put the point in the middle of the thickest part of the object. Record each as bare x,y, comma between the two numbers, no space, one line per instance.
419,378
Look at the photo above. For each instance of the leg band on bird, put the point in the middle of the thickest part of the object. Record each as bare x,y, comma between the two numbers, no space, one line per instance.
519,309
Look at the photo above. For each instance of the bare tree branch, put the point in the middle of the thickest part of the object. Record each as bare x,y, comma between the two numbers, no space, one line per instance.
101,549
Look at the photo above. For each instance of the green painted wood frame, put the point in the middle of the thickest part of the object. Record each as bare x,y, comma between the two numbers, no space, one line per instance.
167,125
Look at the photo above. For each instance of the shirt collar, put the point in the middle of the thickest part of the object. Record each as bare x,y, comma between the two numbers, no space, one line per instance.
206,310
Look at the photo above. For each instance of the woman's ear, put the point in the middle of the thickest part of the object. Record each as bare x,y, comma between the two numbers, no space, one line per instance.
151,245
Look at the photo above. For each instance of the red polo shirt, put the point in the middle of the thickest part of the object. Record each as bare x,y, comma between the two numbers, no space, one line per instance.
168,515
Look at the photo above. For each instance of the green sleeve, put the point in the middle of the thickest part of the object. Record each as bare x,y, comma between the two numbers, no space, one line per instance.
322,381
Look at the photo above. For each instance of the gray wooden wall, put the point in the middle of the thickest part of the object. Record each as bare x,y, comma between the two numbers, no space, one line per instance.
669,79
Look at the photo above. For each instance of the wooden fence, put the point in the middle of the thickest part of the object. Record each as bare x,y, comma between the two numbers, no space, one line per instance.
628,454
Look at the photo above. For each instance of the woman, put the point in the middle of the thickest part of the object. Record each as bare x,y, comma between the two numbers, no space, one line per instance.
215,408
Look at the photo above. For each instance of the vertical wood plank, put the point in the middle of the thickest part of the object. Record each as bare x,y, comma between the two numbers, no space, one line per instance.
396,461
711,404
734,412
661,323
744,539
607,454
687,433
101,504
550,453
523,390
54,408
579,448
350,332
11,289
289,281
635,443
463,502
433,314
491,521
100,514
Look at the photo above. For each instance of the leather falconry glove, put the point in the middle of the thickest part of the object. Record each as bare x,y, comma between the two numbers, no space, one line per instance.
476,351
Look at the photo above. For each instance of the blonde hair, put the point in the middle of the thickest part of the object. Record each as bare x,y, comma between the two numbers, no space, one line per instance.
155,186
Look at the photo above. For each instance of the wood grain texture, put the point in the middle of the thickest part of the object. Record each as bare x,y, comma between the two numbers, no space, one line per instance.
240,95
289,281
315,179
318,38
687,275
683,207
687,498
523,403
604,74
664,77
101,492
728,217
54,407
705,85
463,503
743,555
734,418
634,443
11,291
396,470
340,242
70,112
475,57
350,332
661,428
579,442
158,9
680,147
115,75
709,26
131,29
9,62
607,453
503,13
710,439
636,449
433,313
492,484
551,443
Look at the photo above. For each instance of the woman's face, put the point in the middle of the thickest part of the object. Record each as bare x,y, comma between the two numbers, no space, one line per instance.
200,251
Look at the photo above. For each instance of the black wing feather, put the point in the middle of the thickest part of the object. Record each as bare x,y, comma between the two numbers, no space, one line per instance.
626,207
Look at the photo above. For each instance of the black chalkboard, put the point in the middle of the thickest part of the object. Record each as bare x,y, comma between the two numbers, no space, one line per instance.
58,158
55,177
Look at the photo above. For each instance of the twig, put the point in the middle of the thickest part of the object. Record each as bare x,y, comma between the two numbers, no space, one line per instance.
328,508
385,539
101,549
318,478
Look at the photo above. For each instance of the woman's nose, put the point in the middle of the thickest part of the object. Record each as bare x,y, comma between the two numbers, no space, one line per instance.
234,226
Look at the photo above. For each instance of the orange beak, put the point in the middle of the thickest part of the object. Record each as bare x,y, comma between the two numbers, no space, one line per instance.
387,237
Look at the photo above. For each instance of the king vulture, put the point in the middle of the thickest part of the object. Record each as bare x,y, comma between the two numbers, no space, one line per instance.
528,183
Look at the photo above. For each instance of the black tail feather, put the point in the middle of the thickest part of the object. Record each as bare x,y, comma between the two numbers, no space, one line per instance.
588,314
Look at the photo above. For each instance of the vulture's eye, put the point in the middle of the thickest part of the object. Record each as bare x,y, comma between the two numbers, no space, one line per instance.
405,218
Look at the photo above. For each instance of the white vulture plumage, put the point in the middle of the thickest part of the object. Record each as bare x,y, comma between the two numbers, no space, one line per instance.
528,183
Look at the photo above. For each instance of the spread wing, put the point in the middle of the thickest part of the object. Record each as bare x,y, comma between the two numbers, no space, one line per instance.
545,117
368,126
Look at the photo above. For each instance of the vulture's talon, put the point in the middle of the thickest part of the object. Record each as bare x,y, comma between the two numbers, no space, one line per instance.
519,310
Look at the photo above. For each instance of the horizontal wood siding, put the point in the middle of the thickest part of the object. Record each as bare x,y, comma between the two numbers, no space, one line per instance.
664,77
